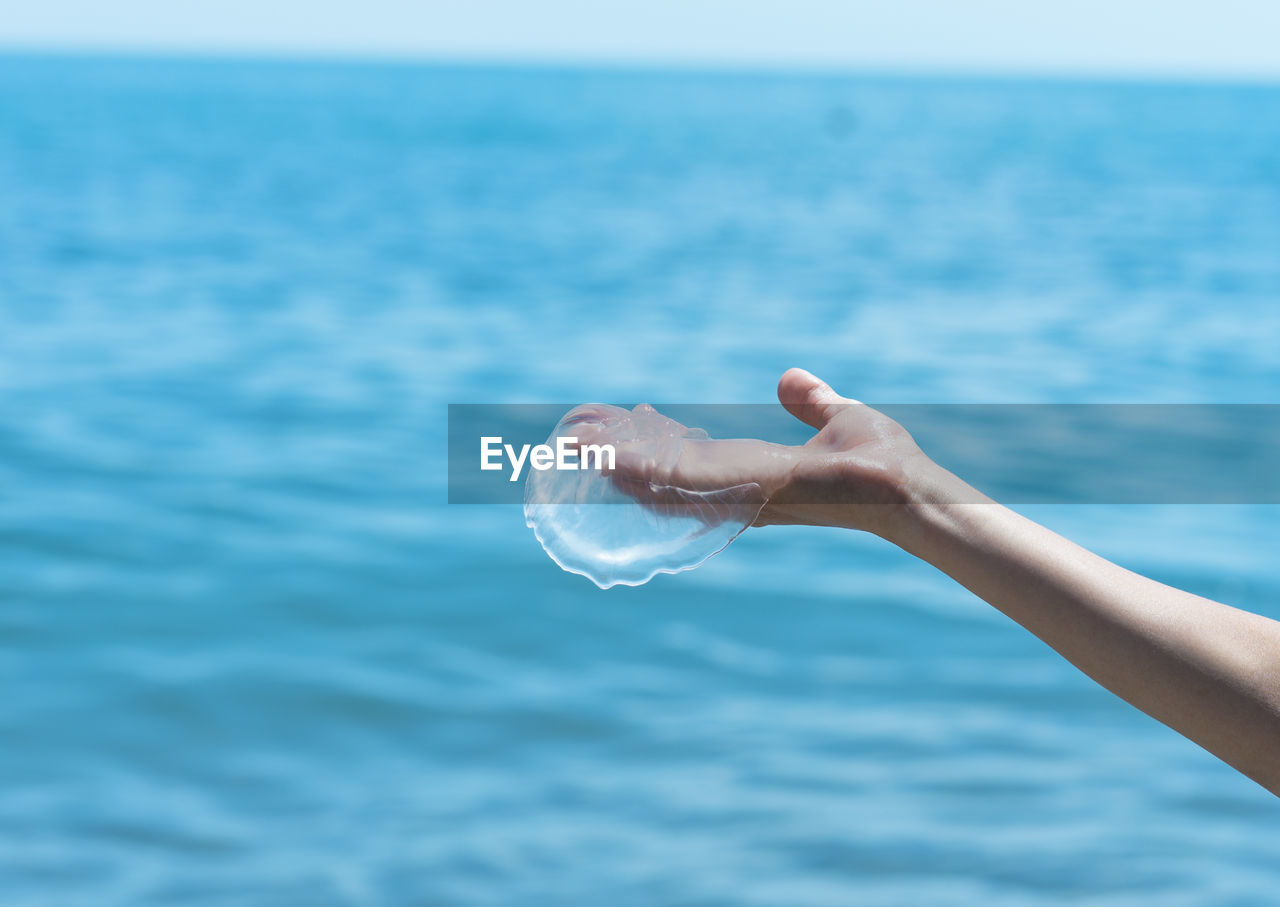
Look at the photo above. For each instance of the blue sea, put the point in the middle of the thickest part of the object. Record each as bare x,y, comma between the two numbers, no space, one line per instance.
250,655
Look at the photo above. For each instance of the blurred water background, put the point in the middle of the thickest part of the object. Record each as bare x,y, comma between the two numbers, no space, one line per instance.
248,653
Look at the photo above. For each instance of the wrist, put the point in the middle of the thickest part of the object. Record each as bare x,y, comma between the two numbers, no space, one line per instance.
928,495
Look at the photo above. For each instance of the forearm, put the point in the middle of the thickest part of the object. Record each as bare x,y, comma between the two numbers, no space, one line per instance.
1209,671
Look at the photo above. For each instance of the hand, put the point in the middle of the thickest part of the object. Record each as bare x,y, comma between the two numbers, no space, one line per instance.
855,472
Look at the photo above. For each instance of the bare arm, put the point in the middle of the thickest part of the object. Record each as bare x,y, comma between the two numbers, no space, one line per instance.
1207,670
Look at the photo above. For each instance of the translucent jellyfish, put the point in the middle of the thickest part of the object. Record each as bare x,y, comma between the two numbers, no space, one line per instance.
616,530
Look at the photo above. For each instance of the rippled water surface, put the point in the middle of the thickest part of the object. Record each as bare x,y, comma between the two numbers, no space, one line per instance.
250,656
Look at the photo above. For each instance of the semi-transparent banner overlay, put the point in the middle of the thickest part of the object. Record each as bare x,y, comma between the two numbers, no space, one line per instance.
1016,453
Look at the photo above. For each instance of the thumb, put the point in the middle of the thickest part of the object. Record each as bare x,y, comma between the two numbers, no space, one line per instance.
809,398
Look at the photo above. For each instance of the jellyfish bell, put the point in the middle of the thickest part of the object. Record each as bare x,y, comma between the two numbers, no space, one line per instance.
629,520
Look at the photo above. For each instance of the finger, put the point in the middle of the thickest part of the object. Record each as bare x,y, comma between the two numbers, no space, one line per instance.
634,465
664,500
737,503
809,398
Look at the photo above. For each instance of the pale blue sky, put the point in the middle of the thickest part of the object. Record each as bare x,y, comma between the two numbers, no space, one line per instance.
1231,38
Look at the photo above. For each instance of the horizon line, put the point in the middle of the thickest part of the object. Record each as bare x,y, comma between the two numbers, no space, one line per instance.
963,71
